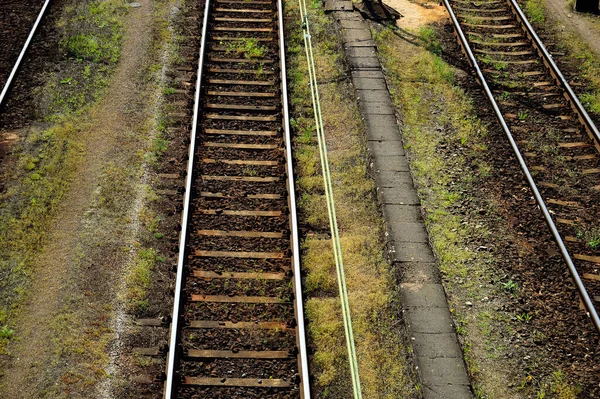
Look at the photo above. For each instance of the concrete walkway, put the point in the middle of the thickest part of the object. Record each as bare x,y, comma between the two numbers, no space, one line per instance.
438,356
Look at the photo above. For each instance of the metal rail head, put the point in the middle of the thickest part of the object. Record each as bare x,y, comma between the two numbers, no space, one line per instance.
17,65
299,305
555,71
563,250
170,387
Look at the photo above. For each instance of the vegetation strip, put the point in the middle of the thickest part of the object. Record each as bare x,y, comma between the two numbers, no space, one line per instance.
335,236
585,297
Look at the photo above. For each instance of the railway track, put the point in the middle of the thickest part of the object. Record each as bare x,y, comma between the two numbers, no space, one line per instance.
13,54
554,139
237,328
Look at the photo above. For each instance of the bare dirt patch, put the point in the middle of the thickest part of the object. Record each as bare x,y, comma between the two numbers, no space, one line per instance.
586,27
66,320
417,14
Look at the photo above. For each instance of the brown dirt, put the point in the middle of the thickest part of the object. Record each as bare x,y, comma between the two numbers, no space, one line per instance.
61,257
585,26
417,14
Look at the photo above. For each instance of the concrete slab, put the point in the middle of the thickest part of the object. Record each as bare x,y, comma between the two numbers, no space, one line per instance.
370,84
435,346
353,24
442,371
418,272
408,232
423,295
359,43
438,356
447,392
434,320
368,108
338,5
388,179
413,252
403,213
391,163
356,35
397,196
361,52
361,75
377,149
374,96
364,62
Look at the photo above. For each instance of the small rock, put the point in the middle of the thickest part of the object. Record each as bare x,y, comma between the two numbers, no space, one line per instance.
485,299
469,303
135,5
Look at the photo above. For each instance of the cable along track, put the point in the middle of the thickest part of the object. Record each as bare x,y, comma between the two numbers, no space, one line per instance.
237,327
554,139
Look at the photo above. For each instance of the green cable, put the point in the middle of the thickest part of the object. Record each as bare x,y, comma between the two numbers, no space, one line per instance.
330,203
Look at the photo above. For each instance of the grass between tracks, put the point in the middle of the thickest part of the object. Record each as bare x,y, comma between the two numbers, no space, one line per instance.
46,159
448,155
581,56
382,356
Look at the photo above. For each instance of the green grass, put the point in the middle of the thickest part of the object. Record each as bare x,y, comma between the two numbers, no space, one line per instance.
248,47
48,157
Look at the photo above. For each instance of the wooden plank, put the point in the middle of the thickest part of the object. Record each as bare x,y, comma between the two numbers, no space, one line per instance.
246,255
587,258
235,299
552,106
242,132
589,276
243,2
242,82
515,53
242,146
496,44
249,71
542,84
566,221
581,157
243,10
590,171
255,196
242,107
240,94
241,162
251,20
228,29
485,18
480,10
491,26
571,239
242,118
220,354
263,325
240,213
239,275
563,203
252,179
246,234
241,60
237,382
265,196
574,145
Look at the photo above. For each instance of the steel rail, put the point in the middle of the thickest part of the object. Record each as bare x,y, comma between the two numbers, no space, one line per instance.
22,54
301,333
563,250
171,363
555,71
